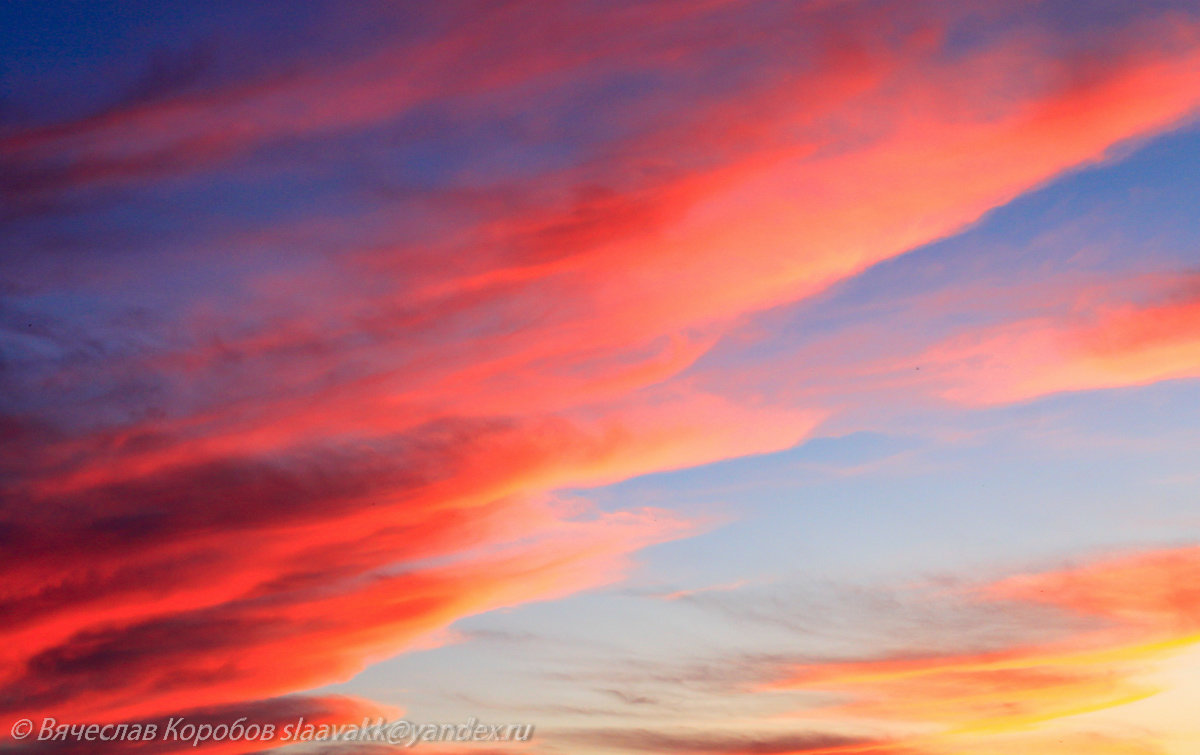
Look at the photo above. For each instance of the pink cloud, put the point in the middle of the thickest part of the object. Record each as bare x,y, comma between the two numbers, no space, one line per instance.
355,454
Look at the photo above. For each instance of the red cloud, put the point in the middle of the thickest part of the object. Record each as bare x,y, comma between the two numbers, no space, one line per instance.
264,496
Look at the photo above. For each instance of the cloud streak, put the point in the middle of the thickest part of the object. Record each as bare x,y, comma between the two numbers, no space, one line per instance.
1111,345
1021,695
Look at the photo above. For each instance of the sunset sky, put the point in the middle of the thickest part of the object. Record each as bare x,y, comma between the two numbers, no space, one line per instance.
691,377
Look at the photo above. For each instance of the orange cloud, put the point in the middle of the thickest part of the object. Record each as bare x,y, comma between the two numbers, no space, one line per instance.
1021,696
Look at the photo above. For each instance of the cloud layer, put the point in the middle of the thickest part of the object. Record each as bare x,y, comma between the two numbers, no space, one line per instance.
296,353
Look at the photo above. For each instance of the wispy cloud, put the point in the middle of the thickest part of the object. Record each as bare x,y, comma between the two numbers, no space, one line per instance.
1014,696
1111,345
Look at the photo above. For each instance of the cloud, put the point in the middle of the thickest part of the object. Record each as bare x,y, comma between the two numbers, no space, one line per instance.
267,431
1024,693
725,743
1153,592
280,605
1110,344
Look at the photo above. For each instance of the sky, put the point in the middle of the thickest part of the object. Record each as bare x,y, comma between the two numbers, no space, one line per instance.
690,377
